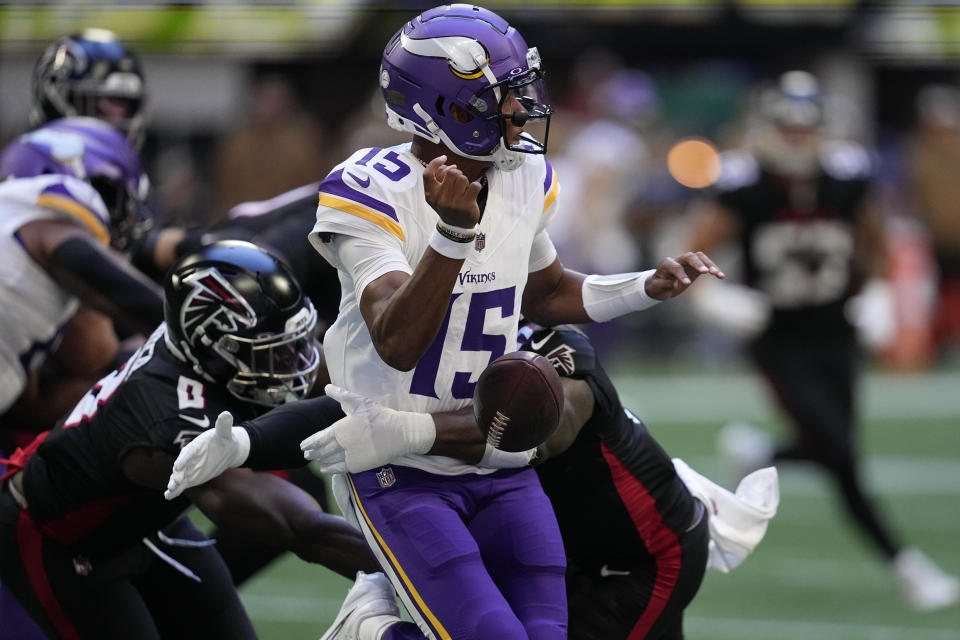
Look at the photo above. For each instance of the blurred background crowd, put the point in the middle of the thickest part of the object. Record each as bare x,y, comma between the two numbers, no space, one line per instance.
249,100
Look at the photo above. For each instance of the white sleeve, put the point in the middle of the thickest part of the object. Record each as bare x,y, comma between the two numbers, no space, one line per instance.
365,260
542,254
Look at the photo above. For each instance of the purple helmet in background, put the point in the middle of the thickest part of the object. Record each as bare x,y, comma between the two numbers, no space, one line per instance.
94,151
467,56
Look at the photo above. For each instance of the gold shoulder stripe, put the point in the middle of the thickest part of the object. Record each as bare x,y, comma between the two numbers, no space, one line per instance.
552,194
78,211
361,211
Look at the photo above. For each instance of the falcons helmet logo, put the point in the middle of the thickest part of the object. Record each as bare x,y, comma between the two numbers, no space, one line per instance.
213,303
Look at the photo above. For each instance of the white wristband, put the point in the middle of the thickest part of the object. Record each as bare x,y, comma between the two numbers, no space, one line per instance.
609,297
450,248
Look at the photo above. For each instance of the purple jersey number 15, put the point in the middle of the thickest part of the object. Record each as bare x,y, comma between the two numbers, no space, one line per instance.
474,339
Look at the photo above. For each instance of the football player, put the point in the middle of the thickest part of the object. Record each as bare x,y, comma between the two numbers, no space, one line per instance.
72,193
87,542
798,204
439,243
91,74
432,293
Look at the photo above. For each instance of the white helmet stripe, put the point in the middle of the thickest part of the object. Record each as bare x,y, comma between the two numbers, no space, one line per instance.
465,54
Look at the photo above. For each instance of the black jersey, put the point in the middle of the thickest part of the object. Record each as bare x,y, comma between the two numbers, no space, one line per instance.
73,482
615,479
282,225
798,245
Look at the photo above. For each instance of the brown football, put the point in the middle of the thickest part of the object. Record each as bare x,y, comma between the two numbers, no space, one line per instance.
518,400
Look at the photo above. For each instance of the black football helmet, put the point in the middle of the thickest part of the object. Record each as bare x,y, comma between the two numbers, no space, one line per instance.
91,74
237,315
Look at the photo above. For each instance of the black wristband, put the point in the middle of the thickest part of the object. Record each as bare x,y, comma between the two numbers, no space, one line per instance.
455,234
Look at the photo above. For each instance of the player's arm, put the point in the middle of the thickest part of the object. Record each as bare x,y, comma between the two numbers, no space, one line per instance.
578,405
96,274
265,507
556,295
404,312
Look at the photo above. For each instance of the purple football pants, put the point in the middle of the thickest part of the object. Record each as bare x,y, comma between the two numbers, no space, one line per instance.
471,556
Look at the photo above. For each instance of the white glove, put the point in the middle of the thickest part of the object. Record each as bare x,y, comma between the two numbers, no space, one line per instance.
493,457
738,521
208,455
370,436
873,313
735,308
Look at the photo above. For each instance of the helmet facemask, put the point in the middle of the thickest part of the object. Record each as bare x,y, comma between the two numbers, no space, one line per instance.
275,368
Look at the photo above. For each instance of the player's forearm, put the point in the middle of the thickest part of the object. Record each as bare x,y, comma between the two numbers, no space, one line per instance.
404,317
266,508
322,538
103,281
276,435
554,296
458,436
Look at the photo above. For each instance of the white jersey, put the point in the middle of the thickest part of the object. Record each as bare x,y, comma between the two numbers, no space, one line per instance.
377,195
34,308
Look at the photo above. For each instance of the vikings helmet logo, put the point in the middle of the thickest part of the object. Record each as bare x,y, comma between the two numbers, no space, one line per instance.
213,303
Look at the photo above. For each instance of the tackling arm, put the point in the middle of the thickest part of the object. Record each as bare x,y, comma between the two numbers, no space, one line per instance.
272,510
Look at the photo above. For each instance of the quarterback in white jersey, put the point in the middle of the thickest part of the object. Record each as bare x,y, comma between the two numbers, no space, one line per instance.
440,244
377,197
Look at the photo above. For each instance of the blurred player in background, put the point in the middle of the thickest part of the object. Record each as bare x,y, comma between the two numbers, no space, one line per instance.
91,74
933,163
87,542
72,206
798,206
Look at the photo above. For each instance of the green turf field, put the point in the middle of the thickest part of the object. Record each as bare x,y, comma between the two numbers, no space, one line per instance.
811,578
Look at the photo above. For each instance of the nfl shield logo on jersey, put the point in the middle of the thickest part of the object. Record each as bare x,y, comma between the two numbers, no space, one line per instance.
481,241
386,478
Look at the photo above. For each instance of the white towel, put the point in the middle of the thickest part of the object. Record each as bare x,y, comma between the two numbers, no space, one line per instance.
738,521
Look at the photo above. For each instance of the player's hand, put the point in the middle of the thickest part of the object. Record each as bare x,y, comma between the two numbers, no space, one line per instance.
674,275
370,436
208,455
451,194
493,457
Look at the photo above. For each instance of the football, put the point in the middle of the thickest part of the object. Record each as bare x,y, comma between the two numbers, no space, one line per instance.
517,401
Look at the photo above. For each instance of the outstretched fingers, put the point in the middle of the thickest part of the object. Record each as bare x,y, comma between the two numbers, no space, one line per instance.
696,263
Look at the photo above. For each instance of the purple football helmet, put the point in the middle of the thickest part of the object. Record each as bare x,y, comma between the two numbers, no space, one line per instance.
94,151
91,74
470,57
